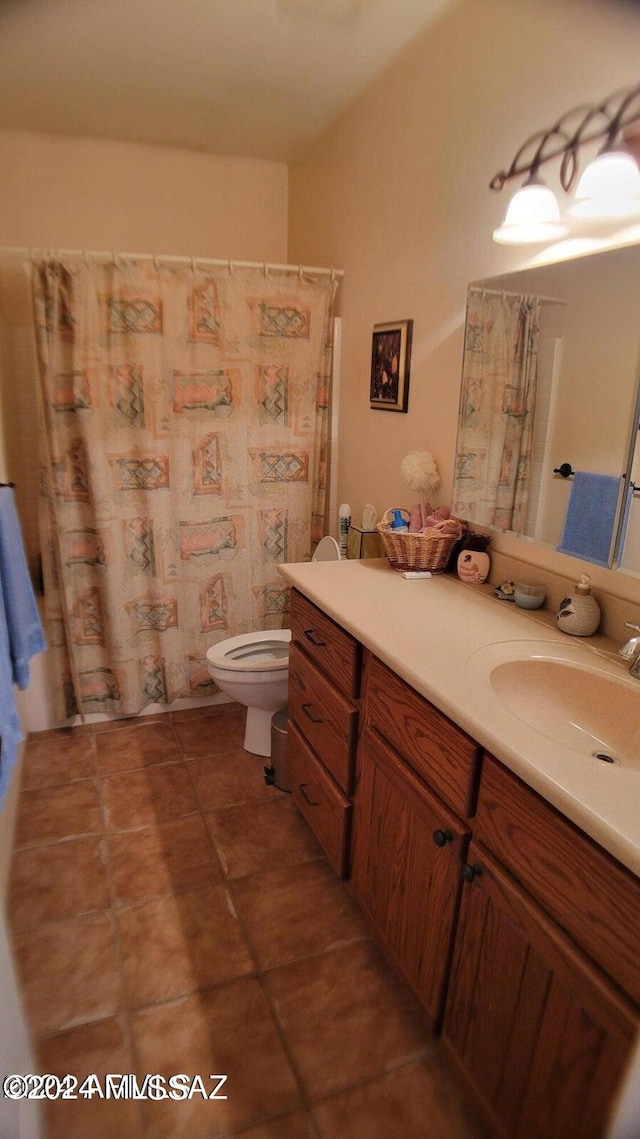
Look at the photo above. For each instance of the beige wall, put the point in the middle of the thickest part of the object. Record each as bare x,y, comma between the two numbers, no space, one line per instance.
58,192
396,193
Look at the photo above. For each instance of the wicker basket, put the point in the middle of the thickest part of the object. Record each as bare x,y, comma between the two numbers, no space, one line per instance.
419,551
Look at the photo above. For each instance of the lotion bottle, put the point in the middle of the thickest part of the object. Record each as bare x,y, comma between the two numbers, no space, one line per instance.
398,523
344,522
579,614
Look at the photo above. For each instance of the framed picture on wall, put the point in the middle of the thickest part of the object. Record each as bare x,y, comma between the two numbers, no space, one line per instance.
390,357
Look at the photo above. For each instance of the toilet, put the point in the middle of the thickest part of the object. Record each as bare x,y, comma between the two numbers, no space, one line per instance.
253,669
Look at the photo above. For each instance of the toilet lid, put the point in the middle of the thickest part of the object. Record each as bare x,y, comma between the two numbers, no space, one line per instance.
327,550
263,651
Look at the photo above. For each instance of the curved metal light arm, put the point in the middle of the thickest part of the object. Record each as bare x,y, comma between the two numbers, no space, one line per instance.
604,120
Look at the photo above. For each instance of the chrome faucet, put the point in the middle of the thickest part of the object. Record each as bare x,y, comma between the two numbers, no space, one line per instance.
630,650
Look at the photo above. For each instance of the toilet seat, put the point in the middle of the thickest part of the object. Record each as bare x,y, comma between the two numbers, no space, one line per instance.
327,550
265,651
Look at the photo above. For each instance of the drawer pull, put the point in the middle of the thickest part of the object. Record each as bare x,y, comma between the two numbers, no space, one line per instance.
311,802
309,634
314,719
441,838
471,872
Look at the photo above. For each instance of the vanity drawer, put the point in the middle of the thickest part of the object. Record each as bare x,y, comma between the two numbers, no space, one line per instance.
324,716
334,651
438,750
320,800
589,893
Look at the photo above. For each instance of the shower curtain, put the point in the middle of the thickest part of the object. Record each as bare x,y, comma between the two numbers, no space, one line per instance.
497,407
184,428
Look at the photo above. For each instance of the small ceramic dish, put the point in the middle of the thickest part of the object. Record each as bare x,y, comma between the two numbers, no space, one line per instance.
529,595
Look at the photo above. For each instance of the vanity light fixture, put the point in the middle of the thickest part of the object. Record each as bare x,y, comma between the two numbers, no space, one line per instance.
533,216
609,187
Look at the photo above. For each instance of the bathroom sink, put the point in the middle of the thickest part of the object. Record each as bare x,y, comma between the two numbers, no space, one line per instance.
569,693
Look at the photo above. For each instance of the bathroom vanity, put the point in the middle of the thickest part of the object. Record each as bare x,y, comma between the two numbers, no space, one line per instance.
498,868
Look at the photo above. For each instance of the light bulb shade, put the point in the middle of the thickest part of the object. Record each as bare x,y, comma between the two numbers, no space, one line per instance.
533,216
609,187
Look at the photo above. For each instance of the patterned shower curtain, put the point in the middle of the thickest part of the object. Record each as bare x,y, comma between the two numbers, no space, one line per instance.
497,406
184,426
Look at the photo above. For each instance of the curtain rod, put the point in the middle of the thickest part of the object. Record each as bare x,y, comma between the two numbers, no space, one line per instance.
230,262
505,293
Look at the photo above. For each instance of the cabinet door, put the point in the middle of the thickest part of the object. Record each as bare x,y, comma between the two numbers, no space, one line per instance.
580,886
406,863
540,1033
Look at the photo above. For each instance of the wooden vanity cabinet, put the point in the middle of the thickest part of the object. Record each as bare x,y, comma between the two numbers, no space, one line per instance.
541,1031
409,840
519,933
324,685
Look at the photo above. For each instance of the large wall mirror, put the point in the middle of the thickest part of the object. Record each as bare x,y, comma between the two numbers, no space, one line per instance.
550,381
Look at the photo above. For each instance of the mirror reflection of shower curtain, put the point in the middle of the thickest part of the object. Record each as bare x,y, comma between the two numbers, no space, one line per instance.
185,422
497,404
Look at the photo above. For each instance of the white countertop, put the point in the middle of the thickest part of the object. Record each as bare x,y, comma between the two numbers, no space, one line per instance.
426,631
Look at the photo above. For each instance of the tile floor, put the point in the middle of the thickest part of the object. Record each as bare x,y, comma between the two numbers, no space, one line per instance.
172,914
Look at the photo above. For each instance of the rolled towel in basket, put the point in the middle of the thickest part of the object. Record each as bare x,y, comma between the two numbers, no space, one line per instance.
418,516
434,519
443,527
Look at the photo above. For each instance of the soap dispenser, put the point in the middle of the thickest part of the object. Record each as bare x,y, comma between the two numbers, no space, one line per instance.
579,614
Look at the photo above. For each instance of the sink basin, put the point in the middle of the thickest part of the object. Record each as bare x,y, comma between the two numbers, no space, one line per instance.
569,694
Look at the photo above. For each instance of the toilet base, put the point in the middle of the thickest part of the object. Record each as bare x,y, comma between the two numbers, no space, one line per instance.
257,731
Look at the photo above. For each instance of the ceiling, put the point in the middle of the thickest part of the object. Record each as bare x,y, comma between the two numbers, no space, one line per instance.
256,78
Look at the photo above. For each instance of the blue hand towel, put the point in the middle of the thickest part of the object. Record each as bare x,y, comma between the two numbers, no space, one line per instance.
10,733
590,517
21,633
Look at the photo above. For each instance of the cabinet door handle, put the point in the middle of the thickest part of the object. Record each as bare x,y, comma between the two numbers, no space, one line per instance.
471,872
309,634
314,719
311,802
441,838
